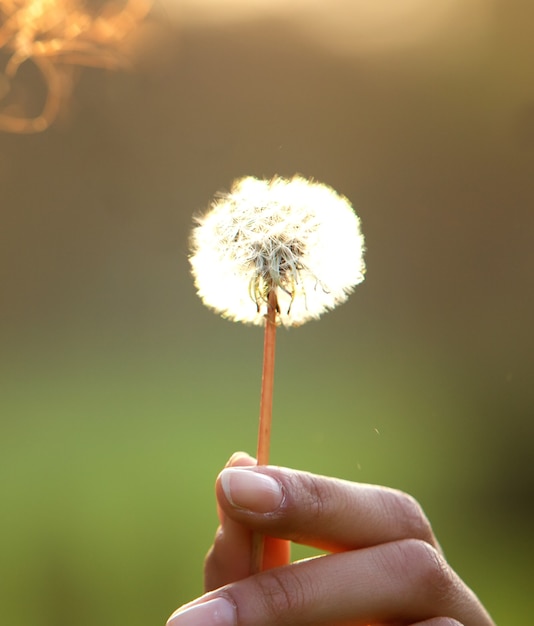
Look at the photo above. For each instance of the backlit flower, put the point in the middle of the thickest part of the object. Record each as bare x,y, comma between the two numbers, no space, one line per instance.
296,237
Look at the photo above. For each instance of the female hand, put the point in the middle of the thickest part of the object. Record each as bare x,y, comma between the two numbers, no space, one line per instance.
384,563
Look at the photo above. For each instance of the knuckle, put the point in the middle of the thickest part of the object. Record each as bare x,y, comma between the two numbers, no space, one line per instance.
315,496
409,516
282,594
434,578
310,494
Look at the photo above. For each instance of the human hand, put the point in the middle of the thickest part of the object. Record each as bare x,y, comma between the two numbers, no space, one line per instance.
384,563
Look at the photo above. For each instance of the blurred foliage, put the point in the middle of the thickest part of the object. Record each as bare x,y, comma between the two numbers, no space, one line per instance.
122,397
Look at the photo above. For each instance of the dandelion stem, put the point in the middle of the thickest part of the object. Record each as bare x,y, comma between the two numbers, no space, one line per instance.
266,411
267,382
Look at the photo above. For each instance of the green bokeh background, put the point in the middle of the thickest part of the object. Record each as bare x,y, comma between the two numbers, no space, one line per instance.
122,396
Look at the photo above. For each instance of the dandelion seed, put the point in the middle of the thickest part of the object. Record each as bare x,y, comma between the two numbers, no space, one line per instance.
276,251
295,237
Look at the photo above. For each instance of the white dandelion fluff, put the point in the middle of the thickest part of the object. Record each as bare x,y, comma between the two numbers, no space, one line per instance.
294,237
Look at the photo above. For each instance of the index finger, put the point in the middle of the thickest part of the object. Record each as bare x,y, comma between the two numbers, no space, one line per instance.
327,513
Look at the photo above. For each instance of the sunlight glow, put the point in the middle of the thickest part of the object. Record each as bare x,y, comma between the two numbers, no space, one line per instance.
350,25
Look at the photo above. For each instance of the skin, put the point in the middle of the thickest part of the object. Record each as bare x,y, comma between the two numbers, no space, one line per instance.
383,564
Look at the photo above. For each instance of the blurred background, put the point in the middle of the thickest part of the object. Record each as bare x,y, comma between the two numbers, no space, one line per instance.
122,396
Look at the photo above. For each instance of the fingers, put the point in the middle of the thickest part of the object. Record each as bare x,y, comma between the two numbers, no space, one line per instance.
287,505
386,566
229,558
327,513
405,581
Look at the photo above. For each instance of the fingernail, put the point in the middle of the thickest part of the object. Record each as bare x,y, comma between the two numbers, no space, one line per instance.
250,490
216,612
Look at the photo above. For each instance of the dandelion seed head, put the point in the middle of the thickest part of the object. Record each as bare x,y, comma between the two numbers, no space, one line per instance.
294,236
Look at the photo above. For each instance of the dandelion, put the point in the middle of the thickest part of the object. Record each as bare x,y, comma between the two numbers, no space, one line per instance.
296,238
274,252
